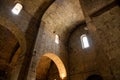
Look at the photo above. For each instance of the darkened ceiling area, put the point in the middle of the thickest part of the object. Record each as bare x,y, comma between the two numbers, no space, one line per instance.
62,17
40,21
7,42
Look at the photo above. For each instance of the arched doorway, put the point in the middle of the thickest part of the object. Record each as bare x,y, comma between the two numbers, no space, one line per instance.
94,77
44,65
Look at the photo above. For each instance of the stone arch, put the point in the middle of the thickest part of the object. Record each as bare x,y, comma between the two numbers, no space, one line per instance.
60,65
19,36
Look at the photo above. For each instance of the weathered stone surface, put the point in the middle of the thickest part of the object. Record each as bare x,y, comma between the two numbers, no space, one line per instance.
82,62
108,30
41,20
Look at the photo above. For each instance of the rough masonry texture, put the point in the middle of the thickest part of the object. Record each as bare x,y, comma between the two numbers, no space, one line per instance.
27,41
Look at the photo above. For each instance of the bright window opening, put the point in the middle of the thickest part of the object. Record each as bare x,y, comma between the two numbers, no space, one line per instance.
56,39
17,8
84,41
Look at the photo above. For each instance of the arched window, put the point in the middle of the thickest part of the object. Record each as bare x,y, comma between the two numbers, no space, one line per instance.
17,8
84,41
56,39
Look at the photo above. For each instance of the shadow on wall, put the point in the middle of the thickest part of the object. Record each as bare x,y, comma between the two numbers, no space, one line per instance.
56,60
94,77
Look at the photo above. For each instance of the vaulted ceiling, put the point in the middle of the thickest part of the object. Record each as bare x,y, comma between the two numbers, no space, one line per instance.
59,18
42,18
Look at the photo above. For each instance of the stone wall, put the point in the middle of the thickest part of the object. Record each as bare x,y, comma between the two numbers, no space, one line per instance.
107,28
28,22
41,20
105,37
82,62
53,73
60,18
